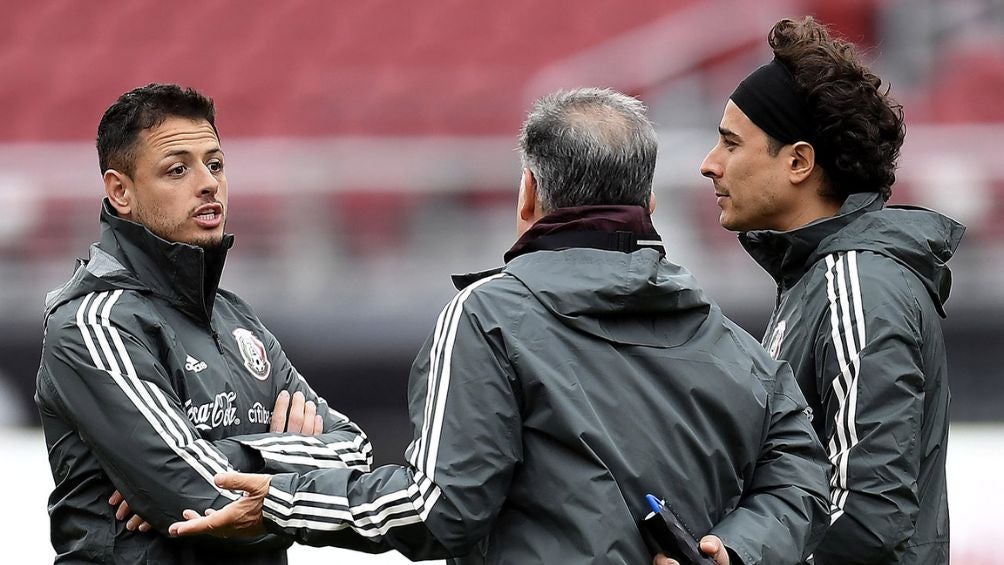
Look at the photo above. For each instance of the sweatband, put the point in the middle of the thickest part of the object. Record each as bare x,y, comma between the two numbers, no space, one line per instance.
770,98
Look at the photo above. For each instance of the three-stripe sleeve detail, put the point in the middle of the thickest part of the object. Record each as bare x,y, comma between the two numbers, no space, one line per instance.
412,503
311,451
361,444
847,329
329,513
426,450
109,354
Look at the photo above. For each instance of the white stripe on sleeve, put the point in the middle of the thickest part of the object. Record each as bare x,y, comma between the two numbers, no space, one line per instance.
848,332
160,420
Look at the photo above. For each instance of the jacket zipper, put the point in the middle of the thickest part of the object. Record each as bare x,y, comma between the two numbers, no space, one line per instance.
216,339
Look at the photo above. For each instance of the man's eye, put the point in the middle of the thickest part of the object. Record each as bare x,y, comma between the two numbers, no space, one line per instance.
176,170
215,166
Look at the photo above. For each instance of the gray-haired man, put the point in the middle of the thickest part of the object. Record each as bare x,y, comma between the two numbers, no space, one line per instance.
556,392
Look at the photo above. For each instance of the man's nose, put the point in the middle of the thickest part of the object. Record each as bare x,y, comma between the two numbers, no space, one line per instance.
710,167
208,182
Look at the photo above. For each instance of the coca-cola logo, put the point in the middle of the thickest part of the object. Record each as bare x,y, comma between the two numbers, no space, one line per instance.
221,411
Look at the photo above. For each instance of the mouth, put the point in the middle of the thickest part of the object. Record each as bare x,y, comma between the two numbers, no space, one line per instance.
208,216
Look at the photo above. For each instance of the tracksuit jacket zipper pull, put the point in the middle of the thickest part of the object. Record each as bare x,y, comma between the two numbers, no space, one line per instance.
216,338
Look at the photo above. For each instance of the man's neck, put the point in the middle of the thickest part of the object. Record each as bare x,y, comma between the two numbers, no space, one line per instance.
810,211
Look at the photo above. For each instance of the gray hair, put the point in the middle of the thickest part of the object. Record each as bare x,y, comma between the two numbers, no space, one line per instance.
589,146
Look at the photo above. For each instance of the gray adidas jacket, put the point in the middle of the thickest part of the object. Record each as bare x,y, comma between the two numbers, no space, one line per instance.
151,381
552,396
859,298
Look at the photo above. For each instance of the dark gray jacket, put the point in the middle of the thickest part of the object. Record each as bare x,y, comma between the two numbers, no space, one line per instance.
859,298
152,381
552,396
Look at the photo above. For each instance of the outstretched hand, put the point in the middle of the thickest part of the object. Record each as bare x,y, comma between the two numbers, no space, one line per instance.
242,517
711,546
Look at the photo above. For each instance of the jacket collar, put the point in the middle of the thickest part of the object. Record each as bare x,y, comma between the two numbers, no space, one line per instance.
787,255
612,228
186,275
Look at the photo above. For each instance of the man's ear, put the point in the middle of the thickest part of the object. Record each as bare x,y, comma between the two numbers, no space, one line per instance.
651,202
801,162
119,189
528,205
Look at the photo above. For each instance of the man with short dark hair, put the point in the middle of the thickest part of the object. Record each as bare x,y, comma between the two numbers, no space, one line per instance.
557,391
805,161
152,378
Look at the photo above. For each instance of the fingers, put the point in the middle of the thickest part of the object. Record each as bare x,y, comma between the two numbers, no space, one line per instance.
309,418
251,484
236,481
123,511
295,414
279,413
713,547
193,524
134,523
663,560
242,517
296,408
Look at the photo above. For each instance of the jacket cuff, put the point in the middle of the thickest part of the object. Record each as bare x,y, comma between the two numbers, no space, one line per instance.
241,457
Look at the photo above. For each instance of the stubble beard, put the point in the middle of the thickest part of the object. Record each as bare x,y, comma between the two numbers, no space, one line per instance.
158,224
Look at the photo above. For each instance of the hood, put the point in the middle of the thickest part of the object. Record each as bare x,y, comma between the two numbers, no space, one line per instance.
637,298
919,239
131,257
621,289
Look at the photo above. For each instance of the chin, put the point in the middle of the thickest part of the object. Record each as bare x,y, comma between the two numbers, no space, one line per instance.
211,243
205,241
729,224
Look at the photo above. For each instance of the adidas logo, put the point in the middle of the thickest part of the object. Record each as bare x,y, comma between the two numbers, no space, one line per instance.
194,365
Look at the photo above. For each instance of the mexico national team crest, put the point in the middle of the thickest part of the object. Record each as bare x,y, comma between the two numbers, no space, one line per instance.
774,345
253,352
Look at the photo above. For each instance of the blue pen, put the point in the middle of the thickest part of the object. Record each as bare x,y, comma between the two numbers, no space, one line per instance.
654,503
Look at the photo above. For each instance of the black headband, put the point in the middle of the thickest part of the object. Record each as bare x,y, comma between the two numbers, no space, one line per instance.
770,99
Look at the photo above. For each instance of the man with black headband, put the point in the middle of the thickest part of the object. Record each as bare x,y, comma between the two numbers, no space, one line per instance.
558,391
803,167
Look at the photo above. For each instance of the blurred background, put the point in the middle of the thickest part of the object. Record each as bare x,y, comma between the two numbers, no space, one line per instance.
371,153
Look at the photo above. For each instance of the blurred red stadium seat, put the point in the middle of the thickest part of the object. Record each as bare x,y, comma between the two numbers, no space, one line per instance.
298,68
968,84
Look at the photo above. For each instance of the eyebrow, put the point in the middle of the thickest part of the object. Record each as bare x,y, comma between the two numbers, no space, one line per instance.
728,133
177,152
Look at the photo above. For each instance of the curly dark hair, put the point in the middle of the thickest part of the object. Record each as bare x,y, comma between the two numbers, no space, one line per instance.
859,128
143,108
